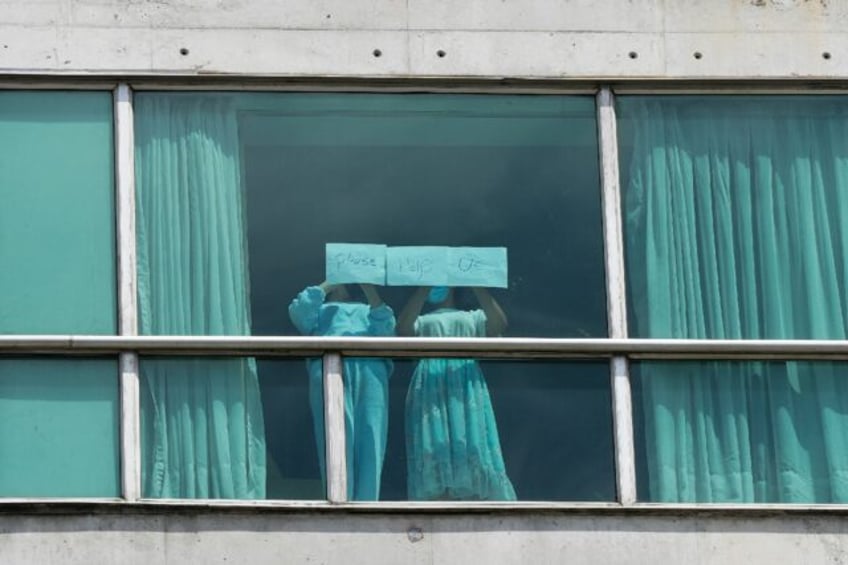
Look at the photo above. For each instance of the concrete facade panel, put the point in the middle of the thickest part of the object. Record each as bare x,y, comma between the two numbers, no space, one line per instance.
754,16
196,52
36,13
241,14
277,52
773,39
537,15
737,55
376,539
534,54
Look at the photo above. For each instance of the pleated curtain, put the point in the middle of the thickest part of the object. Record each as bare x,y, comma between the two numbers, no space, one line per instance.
736,217
202,426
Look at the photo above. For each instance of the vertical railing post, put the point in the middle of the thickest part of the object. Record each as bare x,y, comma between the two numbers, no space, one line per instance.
334,425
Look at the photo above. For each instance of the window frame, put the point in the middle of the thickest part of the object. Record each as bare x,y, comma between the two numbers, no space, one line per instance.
618,348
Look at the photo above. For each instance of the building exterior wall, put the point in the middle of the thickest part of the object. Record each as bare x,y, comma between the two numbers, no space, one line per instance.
534,39
138,537
445,40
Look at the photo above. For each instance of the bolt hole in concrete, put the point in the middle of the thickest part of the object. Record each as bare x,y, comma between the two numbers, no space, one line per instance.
440,53
633,54
414,534
826,55
377,53
697,54
183,51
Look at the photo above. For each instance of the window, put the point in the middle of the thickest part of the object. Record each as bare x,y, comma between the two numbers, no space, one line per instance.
280,246
239,196
60,424
736,229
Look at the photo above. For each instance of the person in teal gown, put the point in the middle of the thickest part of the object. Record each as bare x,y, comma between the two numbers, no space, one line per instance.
326,310
452,446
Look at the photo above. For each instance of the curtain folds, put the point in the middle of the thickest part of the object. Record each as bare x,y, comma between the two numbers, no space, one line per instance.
735,218
202,426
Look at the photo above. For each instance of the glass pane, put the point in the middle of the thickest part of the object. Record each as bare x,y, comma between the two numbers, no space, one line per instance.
742,431
238,195
293,402
57,254
57,243
491,430
735,215
261,183
59,436
232,428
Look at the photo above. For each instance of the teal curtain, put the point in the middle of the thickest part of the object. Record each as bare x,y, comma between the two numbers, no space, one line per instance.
737,228
202,427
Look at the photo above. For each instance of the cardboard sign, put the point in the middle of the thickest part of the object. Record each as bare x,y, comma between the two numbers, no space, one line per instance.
356,263
477,266
417,266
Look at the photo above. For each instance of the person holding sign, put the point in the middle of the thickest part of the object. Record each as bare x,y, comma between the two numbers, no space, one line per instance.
327,309
452,446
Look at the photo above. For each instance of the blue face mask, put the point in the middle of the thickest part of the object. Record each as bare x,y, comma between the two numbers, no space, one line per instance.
437,294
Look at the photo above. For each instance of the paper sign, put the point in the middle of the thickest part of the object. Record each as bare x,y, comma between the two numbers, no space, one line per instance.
356,263
417,266
477,266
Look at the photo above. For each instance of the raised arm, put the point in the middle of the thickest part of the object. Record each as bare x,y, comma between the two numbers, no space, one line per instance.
381,318
371,295
326,287
410,312
496,321
305,308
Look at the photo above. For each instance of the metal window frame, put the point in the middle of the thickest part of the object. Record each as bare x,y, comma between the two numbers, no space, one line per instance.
619,349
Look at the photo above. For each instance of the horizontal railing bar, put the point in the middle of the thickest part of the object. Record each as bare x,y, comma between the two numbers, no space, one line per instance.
423,347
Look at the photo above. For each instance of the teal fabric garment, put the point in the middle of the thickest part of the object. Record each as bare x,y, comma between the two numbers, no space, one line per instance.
366,384
202,432
736,229
453,451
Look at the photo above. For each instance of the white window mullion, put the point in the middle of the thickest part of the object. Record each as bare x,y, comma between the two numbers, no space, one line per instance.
334,426
625,461
625,458
128,304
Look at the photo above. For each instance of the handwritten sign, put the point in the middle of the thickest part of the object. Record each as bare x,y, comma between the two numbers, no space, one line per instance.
417,266
477,266
356,263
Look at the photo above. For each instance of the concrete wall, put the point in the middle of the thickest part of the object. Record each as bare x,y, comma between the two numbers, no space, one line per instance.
277,537
477,38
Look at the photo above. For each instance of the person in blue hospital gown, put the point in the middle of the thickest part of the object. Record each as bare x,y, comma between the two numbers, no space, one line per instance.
326,310
452,446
